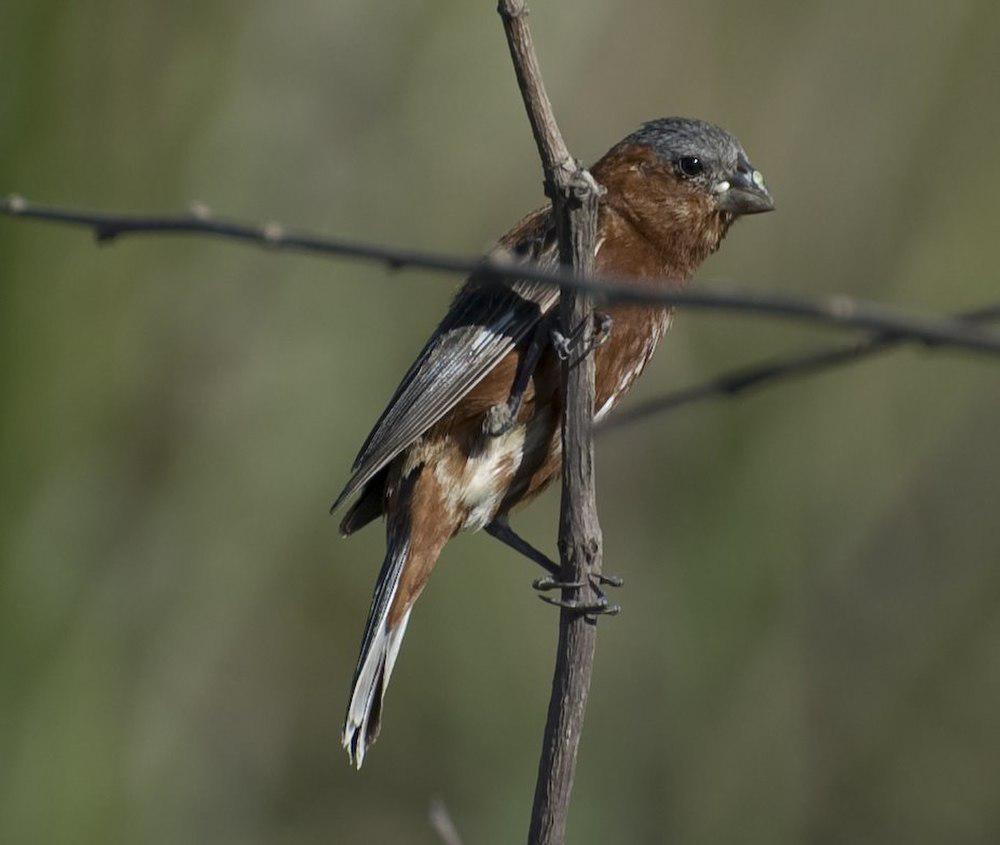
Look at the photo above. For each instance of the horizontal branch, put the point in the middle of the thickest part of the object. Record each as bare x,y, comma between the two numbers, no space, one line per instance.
744,380
838,311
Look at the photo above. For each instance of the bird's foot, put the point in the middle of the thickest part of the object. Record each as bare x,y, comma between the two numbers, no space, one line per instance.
499,420
565,347
603,323
547,582
598,606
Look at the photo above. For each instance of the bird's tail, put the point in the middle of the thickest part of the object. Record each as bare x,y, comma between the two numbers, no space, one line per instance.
415,536
379,649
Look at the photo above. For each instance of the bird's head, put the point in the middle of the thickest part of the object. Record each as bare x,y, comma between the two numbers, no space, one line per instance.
682,183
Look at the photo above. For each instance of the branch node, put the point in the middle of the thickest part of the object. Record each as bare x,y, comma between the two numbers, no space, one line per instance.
572,182
511,9
584,185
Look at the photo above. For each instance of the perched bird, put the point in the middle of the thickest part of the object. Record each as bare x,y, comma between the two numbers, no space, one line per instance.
473,429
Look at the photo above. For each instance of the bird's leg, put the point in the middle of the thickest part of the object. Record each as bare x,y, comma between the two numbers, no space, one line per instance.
565,346
501,529
501,418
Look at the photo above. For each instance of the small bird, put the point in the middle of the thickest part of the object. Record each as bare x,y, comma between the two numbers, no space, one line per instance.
473,430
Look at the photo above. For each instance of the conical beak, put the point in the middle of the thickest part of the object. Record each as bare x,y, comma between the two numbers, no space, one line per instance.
744,193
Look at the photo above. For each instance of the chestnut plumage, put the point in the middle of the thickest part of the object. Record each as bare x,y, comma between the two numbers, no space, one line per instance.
436,463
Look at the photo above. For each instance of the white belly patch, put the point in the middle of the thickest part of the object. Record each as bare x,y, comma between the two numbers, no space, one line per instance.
481,486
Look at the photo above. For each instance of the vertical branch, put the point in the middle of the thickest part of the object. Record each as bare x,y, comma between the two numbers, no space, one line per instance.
574,195
579,545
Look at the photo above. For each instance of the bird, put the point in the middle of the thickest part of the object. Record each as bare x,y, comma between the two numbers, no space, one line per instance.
473,429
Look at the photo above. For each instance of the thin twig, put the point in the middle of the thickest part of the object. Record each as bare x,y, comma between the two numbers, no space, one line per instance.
574,195
838,311
743,380
557,163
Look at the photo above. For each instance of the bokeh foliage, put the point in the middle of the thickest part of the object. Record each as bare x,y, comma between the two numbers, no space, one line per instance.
810,649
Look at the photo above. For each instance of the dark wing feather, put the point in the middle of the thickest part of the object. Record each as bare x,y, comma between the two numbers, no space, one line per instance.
483,324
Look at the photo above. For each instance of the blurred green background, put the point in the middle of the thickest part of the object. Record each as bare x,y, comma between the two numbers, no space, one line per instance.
810,648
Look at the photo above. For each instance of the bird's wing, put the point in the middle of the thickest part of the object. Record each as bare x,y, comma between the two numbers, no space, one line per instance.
485,321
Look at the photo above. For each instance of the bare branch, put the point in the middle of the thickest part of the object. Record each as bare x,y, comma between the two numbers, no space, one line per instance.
557,163
744,380
574,195
837,311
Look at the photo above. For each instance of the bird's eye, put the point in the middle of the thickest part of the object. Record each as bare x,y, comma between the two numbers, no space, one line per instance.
690,166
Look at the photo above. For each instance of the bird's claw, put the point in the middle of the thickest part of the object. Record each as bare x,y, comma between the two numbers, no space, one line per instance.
499,420
602,329
547,582
565,346
561,344
598,607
